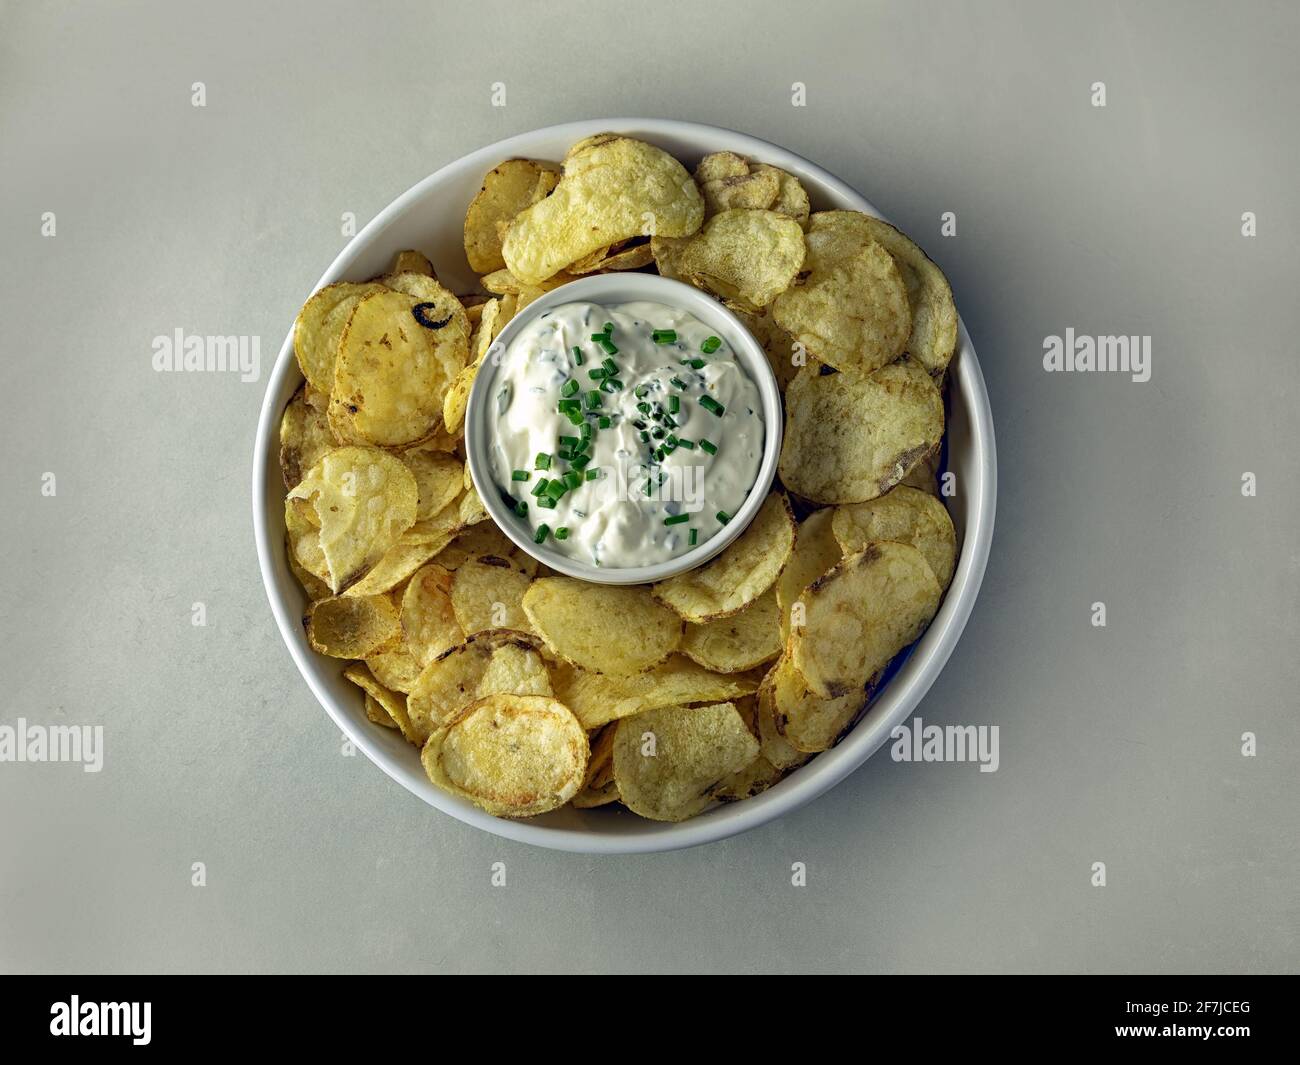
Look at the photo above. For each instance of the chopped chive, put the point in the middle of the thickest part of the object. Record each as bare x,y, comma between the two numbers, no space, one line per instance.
709,446
604,421
609,328
520,475
593,399
670,421
609,347
543,461
611,367
648,486
644,408
562,533
568,440
593,473
677,519
611,384
577,356
598,374
574,417
664,336
712,406
572,479
670,441
695,535
640,391
657,433
674,404
539,487
659,454
521,508
710,345
570,386
598,337
543,530
546,502
644,436
723,517
555,489
677,382
694,364
689,445
580,462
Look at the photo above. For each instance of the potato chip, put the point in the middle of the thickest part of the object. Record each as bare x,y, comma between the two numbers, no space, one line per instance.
777,344
815,551
395,364
440,529
599,787
861,614
511,755
314,586
908,516
487,593
746,783
399,562
747,257
396,669
438,478
778,751
304,438
925,474
376,713
476,541
364,499
452,680
611,191
728,182
353,628
669,762
391,703
718,166
791,198
574,618
470,508
738,642
738,576
457,399
850,438
319,326
412,262
850,311
934,316
627,256
598,698
428,621
808,722
512,187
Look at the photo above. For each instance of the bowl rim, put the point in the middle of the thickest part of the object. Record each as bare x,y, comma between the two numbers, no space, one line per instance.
899,698
656,289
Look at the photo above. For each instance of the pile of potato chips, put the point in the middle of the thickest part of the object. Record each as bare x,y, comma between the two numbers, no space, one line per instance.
525,690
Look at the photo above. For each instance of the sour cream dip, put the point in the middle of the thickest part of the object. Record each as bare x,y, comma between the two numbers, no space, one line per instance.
623,435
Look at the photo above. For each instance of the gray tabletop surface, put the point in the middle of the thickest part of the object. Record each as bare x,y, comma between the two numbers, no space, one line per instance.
1125,744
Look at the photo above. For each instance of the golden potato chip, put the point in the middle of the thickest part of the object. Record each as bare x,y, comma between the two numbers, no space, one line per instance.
353,628
668,763
778,345
511,755
738,576
779,751
399,562
748,257
305,554
610,192
364,499
392,704
395,364
476,541
908,516
412,262
503,283
471,510
512,187
599,787
934,316
455,678
850,438
574,619
457,399
738,642
314,586
752,780
440,529
807,721
791,198
487,593
376,713
598,698
515,669
396,669
428,620
750,189
438,478
850,311
627,256
718,166
861,614
815,551
304,438
925,474
319,326
596,140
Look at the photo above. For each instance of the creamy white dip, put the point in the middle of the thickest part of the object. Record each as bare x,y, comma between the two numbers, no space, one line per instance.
652,428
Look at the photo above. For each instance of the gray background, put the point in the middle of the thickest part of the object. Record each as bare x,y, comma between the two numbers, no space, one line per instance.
1119,744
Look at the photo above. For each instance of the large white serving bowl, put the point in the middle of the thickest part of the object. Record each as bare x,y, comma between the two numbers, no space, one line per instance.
430,217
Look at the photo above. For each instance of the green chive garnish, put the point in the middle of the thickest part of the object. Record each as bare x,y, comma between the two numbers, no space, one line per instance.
593,473
593,400
689,445
709,446
609,328
521,508
520,475
580,462
609,348
677,382
694,364
677,519
597,374
572,479
570,386
539,487
712,406
695,535
546,501
543,461
562,533
574,417
577,357
604,421
664,336
710,345
543,530
674,404
723,517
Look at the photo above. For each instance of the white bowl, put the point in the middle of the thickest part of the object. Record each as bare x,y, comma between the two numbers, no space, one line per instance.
626,287
429,217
